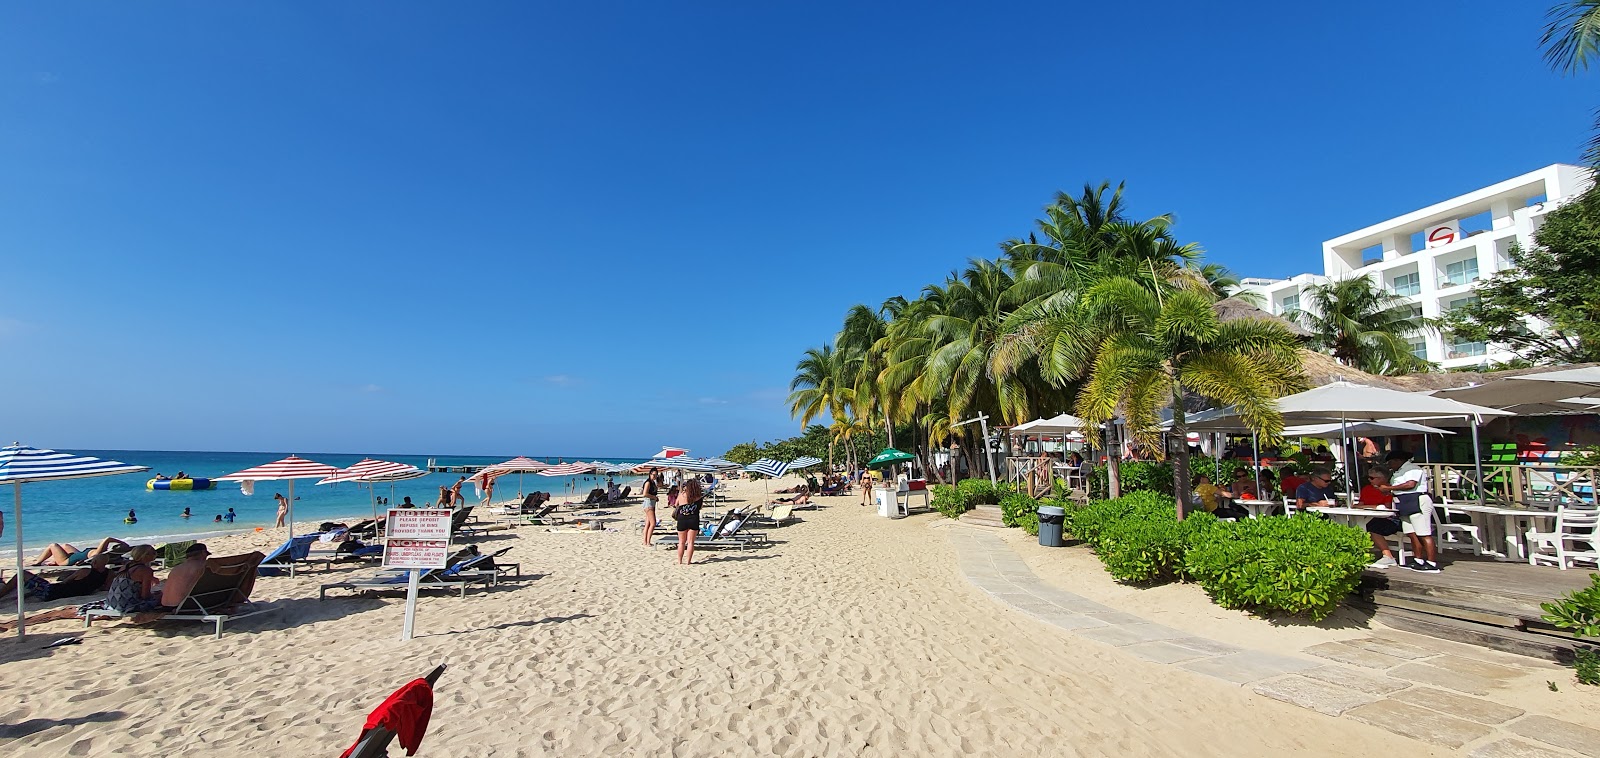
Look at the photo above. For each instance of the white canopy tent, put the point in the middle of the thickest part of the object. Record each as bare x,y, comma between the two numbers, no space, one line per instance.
1552,387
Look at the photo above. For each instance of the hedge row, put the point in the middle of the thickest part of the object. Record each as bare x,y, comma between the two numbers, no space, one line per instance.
1298,565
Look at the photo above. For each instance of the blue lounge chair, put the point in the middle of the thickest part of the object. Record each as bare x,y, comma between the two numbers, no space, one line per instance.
296,550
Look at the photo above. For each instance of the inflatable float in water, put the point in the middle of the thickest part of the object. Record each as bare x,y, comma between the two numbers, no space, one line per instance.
179,484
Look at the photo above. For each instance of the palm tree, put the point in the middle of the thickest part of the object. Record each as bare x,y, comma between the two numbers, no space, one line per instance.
1142,349
1363,326
816,388
966,329
1571,42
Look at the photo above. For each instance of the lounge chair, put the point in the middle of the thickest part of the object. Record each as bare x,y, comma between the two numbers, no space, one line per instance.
219,595
460,575
781,513
293,551
729,533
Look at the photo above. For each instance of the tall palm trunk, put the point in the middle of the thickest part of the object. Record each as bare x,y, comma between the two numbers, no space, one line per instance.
1180,469
1113,461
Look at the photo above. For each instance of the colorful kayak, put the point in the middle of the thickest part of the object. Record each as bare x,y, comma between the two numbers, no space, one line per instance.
179,484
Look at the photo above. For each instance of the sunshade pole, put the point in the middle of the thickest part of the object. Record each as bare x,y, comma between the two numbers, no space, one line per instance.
16,488
291,528
1344,454
1255,457
1477,461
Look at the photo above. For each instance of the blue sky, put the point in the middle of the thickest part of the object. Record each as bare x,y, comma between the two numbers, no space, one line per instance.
442,228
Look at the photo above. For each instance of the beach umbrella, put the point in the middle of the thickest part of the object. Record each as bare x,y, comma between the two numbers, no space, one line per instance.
371,471
519,465
20,464
1547,387
889,456
287,469
568,469
668,451
769,468
804,461
1363,429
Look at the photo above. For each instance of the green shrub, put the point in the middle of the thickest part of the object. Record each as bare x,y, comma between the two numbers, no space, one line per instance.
1586,662
1577,612
1087,523
949,501
1016,505
1300,564
1029,523
982,491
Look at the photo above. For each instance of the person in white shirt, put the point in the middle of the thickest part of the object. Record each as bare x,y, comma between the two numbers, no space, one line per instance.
1414,505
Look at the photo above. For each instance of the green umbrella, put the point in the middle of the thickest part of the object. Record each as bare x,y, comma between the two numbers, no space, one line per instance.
889,456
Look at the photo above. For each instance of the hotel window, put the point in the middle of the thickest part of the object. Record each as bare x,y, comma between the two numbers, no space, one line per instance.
1460,302
1420,349
1289,306
1407,284
1460,272
1466,349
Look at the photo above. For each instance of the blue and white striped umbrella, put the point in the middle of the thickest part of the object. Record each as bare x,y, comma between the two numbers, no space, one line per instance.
723,464
768,467
20,464
803,462
685,463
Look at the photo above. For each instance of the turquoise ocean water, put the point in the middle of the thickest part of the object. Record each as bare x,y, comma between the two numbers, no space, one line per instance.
82,511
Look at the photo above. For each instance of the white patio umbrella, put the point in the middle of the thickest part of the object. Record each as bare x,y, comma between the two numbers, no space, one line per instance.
287,469
371,471
20,464
1527,389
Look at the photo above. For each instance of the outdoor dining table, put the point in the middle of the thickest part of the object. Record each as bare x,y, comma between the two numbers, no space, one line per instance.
1257,508
1349,515
1503,525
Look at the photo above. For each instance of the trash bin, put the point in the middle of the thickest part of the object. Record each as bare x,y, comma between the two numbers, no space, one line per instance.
1051,518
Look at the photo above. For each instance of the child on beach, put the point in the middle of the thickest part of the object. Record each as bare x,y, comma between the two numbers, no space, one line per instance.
229,516
217,520
133,518
185,514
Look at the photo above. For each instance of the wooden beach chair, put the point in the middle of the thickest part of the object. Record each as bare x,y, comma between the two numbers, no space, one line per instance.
219,595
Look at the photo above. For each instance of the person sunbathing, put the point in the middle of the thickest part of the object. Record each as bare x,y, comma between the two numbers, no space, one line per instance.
788,490
133,589
800,499
65,554
86,581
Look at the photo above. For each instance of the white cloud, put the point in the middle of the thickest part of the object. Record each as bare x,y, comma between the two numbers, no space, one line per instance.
562,380
371,388
712,401
45,77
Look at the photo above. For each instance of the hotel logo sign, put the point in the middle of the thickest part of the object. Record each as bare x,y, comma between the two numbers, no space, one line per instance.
1442,234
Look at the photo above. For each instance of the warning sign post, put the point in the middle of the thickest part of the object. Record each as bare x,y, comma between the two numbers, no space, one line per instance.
416,539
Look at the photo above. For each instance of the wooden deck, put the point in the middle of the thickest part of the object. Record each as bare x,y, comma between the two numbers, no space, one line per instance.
1477,600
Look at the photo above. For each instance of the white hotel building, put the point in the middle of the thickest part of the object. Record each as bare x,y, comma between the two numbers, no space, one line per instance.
1435,256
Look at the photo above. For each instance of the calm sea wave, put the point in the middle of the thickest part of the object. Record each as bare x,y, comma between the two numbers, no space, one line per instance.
85,510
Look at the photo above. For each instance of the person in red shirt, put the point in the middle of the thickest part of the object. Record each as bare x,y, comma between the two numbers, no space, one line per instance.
1379,529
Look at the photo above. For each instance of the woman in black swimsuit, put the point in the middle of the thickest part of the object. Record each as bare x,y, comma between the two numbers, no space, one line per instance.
89,580
687,514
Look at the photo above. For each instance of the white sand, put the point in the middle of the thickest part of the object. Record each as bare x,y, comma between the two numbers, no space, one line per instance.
852,635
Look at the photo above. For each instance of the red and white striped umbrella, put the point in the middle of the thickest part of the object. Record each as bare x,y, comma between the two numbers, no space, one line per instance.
568,469
516,465
374,470
291,468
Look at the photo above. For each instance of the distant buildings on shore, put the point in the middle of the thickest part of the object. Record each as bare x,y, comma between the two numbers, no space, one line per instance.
1435,256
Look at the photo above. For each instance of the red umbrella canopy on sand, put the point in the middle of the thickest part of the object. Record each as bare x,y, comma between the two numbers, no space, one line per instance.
289,469
374,470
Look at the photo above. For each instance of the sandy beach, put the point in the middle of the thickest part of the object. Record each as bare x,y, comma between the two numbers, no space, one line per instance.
850,635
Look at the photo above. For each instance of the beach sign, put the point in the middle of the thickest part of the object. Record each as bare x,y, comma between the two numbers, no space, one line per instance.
416,539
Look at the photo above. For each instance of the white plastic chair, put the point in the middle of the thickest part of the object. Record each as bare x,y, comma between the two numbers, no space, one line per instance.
1448,534
1574,528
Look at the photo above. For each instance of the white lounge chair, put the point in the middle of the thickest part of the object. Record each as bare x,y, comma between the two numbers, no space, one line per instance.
213,599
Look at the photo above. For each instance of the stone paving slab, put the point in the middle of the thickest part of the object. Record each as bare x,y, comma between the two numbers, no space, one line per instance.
1422,673
1395,648
1560,733
1129,634
1162,651
1419,723
1247,666
1473,667
1469,708
1116,617
1069,620
1355,679
1310,693
1355,656
1208,647
1514,749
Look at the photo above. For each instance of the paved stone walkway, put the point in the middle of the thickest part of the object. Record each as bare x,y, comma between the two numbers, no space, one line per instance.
1408,688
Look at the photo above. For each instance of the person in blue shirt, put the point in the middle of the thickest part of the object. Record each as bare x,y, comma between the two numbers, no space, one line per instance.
229,516
1316,491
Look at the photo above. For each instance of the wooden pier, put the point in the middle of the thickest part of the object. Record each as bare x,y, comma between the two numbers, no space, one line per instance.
434,468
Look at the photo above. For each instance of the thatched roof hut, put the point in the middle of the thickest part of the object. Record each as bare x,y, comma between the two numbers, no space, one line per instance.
1322,369
1233,309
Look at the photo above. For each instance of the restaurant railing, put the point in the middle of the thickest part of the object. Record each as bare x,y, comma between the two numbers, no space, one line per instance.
1525,486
